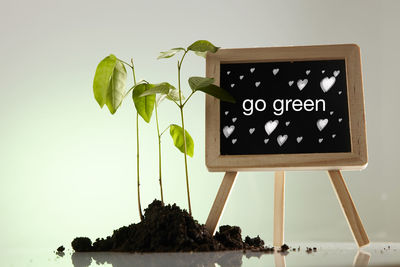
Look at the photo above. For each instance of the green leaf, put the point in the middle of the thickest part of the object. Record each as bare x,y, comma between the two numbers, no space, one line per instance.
102,78
197,82
206,85
144,104
170,53
161,88
173,95
203,46
177,136
116,88
201,54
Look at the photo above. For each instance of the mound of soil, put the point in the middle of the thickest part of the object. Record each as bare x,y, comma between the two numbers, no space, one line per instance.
167,228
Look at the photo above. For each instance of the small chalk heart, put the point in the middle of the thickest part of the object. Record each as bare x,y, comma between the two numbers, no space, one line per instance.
302,83
232,85
252,70
257,84
340,92
298,139
320,140
228,130
336,73
340,120
323,71
270,126
266,141
234,141
275,71
333,135
331,112
327,83
228,72
234,119
281,139
308,72
226,112
241,77
321,123
291,83
251,130
287,123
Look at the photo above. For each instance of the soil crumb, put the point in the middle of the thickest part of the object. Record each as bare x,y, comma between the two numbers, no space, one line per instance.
167,228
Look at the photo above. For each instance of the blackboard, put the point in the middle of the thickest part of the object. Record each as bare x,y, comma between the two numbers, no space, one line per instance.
285,107
297,108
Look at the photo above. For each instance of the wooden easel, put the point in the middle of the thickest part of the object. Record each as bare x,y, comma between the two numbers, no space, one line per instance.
339,187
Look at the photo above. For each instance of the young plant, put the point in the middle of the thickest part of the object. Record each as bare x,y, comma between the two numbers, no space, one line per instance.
109,88
182,140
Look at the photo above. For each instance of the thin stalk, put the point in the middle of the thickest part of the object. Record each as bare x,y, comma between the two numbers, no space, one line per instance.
137,149
159,156
184,133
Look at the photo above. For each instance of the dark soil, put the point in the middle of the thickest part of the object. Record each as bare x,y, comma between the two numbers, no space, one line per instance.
167,228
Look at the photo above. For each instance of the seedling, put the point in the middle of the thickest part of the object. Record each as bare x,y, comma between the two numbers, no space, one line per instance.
182,139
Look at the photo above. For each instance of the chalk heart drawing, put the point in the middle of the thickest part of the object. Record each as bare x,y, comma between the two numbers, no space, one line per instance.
299,139
302,83
333,135
234,119
252,70
228,72
323,71
331,112
281,139
241,77
275,71
270,126
226,112
321,123
320,140
340,92
308,72
228,130
266,141
340,120
291,83
287,123
234,141
327,83
232,85
251,130
336,73
258,84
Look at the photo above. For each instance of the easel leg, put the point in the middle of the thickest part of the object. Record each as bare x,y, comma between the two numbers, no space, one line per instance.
279,208
349,209
220,200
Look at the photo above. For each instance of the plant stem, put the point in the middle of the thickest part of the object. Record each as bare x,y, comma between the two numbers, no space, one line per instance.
187,99
184,132
159,156
137,166
137,149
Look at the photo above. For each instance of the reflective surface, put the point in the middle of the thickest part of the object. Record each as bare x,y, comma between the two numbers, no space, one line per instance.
327,254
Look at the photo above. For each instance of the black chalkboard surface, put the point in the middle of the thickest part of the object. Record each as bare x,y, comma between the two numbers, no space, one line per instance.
285,108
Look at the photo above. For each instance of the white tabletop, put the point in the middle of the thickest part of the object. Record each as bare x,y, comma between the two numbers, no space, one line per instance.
327,254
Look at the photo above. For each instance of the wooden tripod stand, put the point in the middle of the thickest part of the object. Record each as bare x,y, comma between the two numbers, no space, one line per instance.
339,187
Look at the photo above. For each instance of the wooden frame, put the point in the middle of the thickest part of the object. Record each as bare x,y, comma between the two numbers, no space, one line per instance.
355,160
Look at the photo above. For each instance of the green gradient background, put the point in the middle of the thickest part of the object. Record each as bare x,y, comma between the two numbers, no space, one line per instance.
67,168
